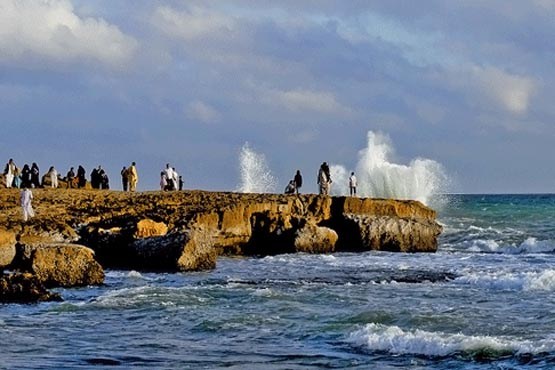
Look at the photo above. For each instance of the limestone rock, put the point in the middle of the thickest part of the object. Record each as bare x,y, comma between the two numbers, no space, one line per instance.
315,239
190,251
147,228
24,288
61,264
395,234
7,248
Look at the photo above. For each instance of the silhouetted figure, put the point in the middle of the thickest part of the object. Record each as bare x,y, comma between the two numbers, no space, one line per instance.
35,175
181,182
82,180
298,181
26,177
124,178
104,180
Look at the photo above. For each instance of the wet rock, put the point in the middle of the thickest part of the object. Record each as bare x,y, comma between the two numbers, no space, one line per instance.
189,251
63,265
24,288
315,239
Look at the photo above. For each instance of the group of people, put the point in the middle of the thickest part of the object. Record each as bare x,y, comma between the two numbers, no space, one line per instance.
170,179
324,182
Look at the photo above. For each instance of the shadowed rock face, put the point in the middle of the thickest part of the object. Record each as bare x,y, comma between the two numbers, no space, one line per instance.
186,231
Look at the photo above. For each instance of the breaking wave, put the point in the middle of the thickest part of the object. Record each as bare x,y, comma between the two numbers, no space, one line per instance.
422,179
394,340
256,176
520,281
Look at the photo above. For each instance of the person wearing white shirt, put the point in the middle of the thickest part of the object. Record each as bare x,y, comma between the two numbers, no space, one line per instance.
26,197
353,184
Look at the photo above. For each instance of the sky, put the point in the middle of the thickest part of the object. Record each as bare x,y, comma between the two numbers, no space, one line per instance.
469,84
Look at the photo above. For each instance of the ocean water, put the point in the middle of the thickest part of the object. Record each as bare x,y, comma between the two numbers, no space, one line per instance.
485,300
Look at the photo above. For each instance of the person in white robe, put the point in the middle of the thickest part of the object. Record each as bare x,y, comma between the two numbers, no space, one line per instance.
53,177
10,173
26,197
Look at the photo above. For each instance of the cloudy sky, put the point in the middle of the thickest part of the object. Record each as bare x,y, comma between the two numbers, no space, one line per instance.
469,84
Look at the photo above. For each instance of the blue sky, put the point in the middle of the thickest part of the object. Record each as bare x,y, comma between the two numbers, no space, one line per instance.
468,84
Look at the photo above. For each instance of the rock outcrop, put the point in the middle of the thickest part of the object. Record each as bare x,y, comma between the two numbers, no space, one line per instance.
187,230
60,264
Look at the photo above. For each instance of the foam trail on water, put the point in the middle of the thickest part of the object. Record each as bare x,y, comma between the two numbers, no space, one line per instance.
377,177
256,177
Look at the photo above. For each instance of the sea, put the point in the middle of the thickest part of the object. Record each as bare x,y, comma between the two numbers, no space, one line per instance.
485,300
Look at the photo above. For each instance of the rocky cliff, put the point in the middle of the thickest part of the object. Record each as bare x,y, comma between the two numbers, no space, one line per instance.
186,231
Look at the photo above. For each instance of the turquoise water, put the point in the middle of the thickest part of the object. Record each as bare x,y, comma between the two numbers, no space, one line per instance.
484,301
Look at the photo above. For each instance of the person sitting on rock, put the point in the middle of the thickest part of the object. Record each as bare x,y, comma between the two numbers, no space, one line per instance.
290,188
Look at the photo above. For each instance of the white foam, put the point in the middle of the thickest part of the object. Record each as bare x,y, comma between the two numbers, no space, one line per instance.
256,176
392,339
422,179
529,246
524,281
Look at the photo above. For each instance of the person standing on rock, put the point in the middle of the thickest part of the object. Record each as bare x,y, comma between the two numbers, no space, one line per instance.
82,180
298,181
10,171
26,176
169,177
53,174
35,175
69,177
324,179
25,198
124,178
181,183
353,184
133,177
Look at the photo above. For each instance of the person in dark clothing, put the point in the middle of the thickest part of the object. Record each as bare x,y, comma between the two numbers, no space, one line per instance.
69,178
124,178
35,175
96,177
298,181
180,182
81,177
104,180
290,188
26,177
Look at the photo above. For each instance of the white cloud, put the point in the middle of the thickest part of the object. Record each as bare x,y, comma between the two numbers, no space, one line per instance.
193,23
511,92
203,112
51,30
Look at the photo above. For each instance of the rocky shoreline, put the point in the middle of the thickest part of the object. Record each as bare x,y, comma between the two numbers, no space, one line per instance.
78,233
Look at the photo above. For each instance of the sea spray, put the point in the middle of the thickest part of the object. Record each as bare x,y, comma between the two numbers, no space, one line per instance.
256,176
378,177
